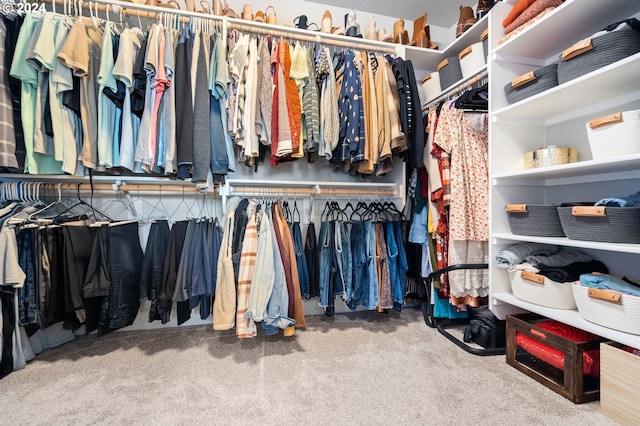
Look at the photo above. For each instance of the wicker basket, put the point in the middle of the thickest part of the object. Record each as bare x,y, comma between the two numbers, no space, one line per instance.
599,223
450,72
471,58
431,86
535,220
538,289
532,83
594,53
614,134
608,308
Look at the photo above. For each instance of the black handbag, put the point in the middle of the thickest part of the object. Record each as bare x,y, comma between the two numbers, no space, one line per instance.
484,328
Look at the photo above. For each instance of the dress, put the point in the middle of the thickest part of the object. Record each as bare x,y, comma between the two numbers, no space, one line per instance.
465,137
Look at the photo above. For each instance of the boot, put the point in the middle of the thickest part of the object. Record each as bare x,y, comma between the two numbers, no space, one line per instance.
352,28
326,23
383,35
418,29
466,20
483,8
400,35
370,31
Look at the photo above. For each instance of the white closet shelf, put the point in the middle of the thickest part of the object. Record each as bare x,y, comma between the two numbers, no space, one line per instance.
619,78
606,169
593,245
541,39
428,59
569,317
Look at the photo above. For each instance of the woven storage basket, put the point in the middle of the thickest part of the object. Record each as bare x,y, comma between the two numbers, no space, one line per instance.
593,53
608,308
599,223
538,289
431,86
532,83
614,134
450,72
535,220
471,59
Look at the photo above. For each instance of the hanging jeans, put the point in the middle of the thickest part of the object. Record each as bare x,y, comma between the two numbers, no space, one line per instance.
172,255
327,266
27,296
303,271
397,263
370,300
360,275
344,258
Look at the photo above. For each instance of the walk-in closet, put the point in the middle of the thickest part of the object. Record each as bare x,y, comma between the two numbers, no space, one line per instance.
315,212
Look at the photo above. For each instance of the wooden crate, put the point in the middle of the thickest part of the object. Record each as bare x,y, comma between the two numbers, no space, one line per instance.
569,381
619,384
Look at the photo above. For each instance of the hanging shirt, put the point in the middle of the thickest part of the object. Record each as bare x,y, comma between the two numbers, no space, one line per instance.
7,131
106,108
144,150
131,40
35,163
81,53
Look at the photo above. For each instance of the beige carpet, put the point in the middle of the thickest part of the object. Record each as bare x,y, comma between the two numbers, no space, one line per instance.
354,369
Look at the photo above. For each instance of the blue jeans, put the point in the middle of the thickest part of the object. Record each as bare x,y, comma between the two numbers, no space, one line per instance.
397,263
344,257
360,274
370,300
328,265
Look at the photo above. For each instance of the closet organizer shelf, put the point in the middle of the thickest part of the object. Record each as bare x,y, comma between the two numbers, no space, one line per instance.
541,40
556,117
570,317
620,79
428,59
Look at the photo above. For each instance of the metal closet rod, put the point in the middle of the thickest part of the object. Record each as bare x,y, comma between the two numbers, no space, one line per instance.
458,88
177,188
152,12
310,191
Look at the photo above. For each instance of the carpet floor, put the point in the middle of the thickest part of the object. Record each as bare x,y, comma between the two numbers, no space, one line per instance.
353,369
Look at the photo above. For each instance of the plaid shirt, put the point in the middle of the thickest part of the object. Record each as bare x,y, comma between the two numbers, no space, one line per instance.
246,327
7,133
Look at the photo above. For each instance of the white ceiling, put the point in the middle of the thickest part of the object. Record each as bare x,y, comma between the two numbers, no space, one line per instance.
443,13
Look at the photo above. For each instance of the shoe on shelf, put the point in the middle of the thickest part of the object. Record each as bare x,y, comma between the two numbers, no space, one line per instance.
326,24
370,31
217,7
247,12
483,7
337,30
259,17
400,35
383,35
466,20
301,22
352,28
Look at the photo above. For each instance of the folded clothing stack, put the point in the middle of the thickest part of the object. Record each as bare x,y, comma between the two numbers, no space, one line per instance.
526,10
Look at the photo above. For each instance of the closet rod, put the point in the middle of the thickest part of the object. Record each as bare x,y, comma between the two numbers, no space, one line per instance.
297,34
115,187
462,86
310,191
239,24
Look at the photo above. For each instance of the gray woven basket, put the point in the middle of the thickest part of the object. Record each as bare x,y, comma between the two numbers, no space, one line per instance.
537,220
606,49
619,225
545,79
450,73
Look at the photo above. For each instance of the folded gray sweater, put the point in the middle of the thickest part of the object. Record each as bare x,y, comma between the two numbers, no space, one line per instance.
564,257
517,253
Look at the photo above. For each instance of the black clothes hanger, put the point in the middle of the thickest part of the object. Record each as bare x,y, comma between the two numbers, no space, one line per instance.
474,99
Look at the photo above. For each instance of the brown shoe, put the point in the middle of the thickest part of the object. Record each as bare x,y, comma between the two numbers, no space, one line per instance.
466,20
400,35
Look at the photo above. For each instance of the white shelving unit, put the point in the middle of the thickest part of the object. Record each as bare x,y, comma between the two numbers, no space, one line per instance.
558,117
